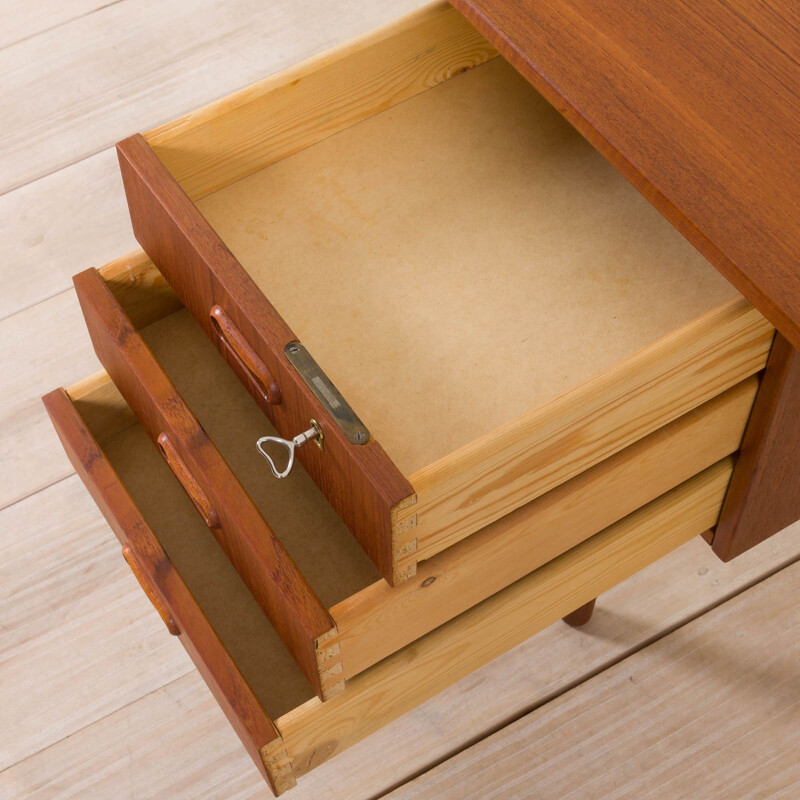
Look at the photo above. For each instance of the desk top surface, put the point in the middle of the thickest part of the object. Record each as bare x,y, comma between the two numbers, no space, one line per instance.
696,103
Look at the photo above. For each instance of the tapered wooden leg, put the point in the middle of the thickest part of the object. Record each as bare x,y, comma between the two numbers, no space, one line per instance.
764,493
580,616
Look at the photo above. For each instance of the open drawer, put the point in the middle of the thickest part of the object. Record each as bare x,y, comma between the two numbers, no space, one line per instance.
303,568
495,304
201,597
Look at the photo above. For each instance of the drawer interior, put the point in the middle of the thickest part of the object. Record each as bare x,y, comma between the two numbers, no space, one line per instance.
317,540
459,259
241,625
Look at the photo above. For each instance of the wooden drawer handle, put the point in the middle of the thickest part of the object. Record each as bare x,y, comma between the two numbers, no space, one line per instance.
188,481
244,355
159,606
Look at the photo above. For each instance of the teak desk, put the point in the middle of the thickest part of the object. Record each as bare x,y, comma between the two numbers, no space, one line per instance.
518,383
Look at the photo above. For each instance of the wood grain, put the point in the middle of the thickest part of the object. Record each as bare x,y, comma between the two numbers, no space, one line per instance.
210,657
59,225
23,22
101,406
479,483
687,717
139,288
125,752
252,128
764,495
379,620
31,365
697,105
360,481
259,557
315,731
149,589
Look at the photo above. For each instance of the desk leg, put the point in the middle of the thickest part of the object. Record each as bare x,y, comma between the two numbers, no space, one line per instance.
580,616
764,493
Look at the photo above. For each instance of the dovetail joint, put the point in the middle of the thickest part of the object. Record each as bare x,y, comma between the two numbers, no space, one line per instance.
403,525
278,766
329,664
403,547
405,573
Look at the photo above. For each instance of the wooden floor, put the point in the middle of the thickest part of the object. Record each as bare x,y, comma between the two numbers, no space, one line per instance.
685,684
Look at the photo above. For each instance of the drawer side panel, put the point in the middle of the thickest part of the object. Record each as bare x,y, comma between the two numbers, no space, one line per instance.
433,663
480,483
380,620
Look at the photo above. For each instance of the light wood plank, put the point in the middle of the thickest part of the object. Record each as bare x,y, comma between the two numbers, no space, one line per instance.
101,406
316,731
44,346
287,112
78,639
548,445
74,90
109,760
61,224
176,742
20,21
379,620
712,710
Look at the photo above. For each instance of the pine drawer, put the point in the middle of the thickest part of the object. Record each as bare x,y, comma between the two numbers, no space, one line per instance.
204,601
305,572
500,309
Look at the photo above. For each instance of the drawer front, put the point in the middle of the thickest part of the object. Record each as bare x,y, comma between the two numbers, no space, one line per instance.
165,587
259,557
359,480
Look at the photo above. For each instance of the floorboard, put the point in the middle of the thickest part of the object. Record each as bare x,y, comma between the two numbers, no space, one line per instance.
78,638
175,743
43,347
59,225
19,21
711,711
75,89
